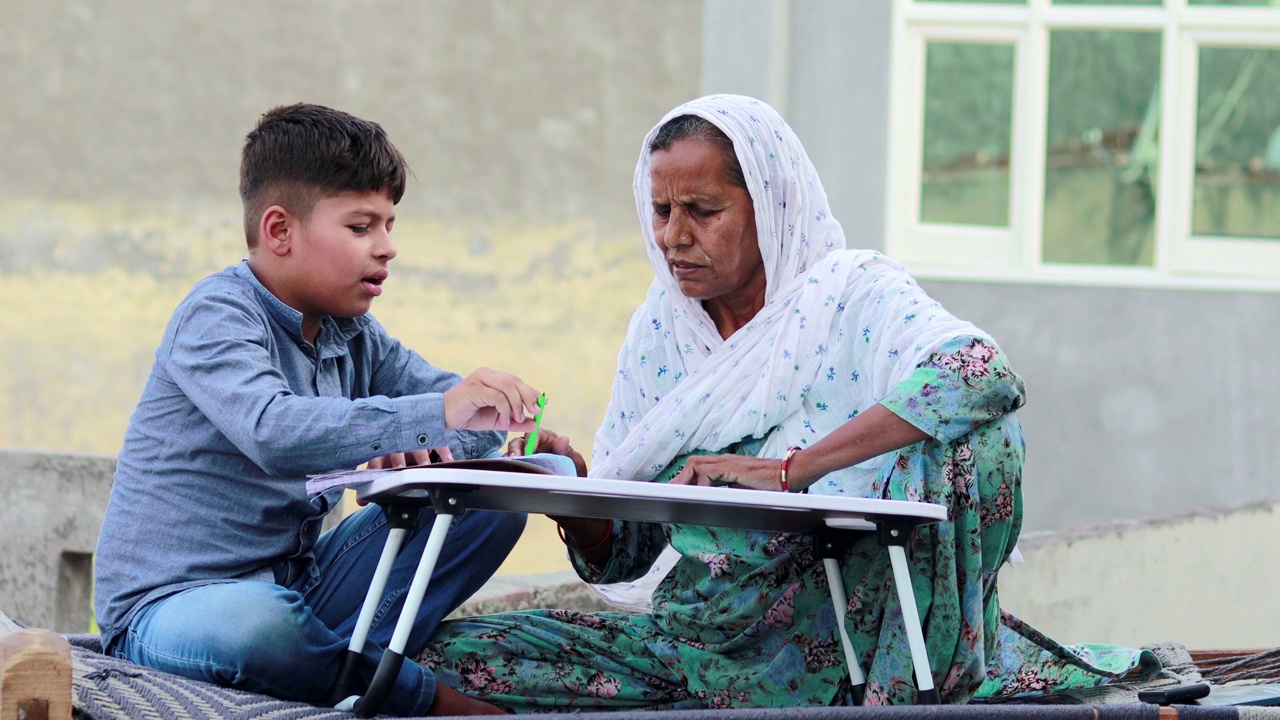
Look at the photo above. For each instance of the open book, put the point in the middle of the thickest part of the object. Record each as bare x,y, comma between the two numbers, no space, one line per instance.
540,463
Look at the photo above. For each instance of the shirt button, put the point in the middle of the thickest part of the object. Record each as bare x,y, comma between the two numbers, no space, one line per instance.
422,439
375,447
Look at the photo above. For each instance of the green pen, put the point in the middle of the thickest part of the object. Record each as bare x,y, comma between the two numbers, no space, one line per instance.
532,443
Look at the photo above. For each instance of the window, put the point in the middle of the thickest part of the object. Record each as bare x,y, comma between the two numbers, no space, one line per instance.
1086,138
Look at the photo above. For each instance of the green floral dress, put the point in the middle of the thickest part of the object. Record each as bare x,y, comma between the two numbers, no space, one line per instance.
745,618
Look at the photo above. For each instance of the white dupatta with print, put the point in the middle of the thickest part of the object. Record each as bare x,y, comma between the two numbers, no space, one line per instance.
680,387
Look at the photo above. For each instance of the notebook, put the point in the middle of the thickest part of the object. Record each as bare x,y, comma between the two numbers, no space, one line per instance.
540,463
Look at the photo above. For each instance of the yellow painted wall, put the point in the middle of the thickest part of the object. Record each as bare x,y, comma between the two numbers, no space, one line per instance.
548,302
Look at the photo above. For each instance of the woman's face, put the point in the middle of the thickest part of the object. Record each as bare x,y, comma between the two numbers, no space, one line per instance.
705,226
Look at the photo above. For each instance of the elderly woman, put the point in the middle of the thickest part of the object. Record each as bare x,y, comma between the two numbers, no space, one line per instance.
763,341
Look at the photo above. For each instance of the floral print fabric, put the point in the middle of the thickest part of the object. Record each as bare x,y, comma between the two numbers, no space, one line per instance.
745,618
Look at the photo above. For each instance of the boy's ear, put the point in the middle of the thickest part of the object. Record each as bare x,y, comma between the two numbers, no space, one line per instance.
275,230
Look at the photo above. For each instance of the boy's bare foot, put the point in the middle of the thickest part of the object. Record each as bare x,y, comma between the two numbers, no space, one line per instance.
451,702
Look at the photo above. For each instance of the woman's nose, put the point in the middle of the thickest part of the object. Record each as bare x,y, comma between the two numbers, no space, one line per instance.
677,234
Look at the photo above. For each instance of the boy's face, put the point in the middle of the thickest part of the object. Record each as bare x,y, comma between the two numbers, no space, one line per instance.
340,256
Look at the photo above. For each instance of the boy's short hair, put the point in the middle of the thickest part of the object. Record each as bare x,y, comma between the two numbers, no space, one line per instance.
300,154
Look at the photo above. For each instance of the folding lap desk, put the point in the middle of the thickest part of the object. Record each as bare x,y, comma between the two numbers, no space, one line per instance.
450,491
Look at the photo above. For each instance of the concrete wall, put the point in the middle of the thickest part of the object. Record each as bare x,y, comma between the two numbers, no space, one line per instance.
1140,402
824,65
50,513
120,135
1202,579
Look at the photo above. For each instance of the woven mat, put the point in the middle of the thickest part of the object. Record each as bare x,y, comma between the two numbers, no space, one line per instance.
110,689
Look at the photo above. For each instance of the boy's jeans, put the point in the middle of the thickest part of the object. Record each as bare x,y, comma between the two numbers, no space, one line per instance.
288,641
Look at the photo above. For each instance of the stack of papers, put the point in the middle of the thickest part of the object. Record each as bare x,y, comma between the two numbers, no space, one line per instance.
540,463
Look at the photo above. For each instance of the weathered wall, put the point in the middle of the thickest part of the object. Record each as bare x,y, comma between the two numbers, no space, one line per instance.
120,132
51,505
1139,402
824,64
1199,578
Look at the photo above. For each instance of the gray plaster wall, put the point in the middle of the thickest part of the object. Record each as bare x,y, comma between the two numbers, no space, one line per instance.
1141,402
51,508
832,57
738,53
502,108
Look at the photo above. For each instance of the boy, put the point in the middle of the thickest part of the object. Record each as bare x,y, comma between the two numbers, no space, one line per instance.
210,563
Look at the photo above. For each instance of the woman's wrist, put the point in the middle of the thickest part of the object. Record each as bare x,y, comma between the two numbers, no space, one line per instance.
585,540
801,470
784,470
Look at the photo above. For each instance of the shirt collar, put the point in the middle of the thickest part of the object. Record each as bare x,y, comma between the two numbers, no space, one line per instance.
333,331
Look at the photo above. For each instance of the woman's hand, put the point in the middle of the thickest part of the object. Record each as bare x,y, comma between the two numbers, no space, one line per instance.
875,431
413,457
549,442
738,470
589,536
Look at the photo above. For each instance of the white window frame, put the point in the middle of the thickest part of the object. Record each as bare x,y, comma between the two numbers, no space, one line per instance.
1015,253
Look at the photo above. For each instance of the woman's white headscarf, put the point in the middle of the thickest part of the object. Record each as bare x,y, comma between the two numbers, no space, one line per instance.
681,387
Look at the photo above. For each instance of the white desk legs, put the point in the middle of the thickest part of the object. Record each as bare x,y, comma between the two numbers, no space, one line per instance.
925,692
393,658
832,545
400,519
364,621
421,578
835,580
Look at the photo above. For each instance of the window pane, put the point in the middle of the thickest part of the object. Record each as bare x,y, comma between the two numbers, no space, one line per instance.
1103,147
1107,2
968,110
1232,2
1237,191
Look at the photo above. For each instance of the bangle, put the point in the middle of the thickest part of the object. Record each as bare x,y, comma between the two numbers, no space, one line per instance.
608,535
786,462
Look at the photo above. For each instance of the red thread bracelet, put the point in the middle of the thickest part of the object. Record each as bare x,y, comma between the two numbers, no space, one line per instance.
608,535
786,462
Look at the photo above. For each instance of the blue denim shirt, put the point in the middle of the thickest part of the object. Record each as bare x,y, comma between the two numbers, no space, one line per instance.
210,484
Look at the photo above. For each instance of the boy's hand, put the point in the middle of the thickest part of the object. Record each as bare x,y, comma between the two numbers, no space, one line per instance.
490,400
549,442
413,457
